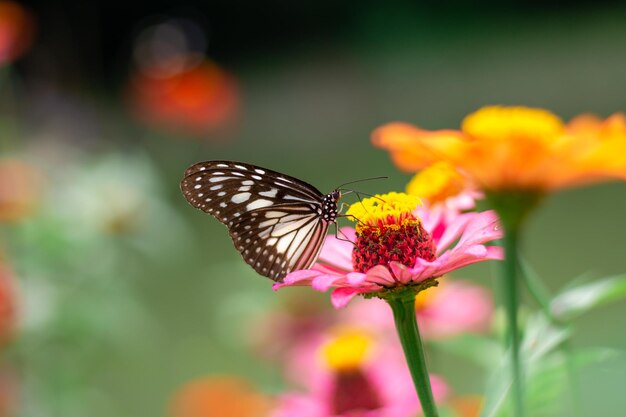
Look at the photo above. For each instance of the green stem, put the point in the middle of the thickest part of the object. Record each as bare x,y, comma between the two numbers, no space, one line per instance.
513,208
509,272
402,304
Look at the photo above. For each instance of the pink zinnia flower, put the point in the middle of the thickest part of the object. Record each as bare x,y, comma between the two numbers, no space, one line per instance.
396,245
342,374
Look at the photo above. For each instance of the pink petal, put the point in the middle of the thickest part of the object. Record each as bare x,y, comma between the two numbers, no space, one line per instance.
463,256
325,282
354,279
300,275
401,272
340,297
380,275
337,252
484,227
454,228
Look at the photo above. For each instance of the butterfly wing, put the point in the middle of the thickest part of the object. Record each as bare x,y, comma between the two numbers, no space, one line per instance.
279,239
275,220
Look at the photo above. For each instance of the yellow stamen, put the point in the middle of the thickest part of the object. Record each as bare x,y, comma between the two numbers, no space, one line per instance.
496,123
437,183
348,350
386,208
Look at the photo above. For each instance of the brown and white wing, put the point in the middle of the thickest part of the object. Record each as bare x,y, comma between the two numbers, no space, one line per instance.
279,239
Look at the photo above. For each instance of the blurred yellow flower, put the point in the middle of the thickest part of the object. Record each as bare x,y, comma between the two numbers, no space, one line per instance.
347,350
515,148
219,396
437,183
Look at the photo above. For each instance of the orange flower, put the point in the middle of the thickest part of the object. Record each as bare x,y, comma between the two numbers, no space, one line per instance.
16,31
194,100
225,396
515,148
19,189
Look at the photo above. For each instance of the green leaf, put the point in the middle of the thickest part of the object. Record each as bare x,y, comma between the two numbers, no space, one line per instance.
573,302
540,339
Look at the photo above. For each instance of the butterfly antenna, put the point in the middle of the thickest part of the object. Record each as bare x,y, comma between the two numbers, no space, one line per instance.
361,180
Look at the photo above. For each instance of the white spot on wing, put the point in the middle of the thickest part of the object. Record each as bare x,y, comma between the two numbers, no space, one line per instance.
241,167
247,182
293,197
256,204
197,186
283,244
257,177
271,193
216,187
218,179
244,188
240,198
259,171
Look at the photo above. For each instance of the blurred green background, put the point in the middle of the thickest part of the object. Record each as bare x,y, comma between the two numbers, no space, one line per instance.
126,292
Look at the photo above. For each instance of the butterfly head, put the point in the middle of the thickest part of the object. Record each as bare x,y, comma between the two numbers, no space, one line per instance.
329,206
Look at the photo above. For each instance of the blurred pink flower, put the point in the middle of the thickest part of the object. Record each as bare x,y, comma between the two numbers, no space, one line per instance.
350,371
398,249
452,308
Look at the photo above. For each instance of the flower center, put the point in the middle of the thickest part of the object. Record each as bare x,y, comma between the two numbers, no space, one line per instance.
497,123
437,183
352,391
353,394
387,230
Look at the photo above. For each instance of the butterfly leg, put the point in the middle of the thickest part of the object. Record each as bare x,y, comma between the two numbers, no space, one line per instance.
338,231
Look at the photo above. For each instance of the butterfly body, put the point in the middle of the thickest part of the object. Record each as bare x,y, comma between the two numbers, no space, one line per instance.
278,223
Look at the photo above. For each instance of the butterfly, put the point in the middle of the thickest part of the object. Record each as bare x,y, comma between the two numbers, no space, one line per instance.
278,223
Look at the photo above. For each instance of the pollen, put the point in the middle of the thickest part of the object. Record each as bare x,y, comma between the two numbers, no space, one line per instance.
437,183
498,123
390,208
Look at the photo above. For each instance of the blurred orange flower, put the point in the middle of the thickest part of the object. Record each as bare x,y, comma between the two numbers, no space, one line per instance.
219,396
16,31
7,308
468,405
515,148
19,189
193,100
